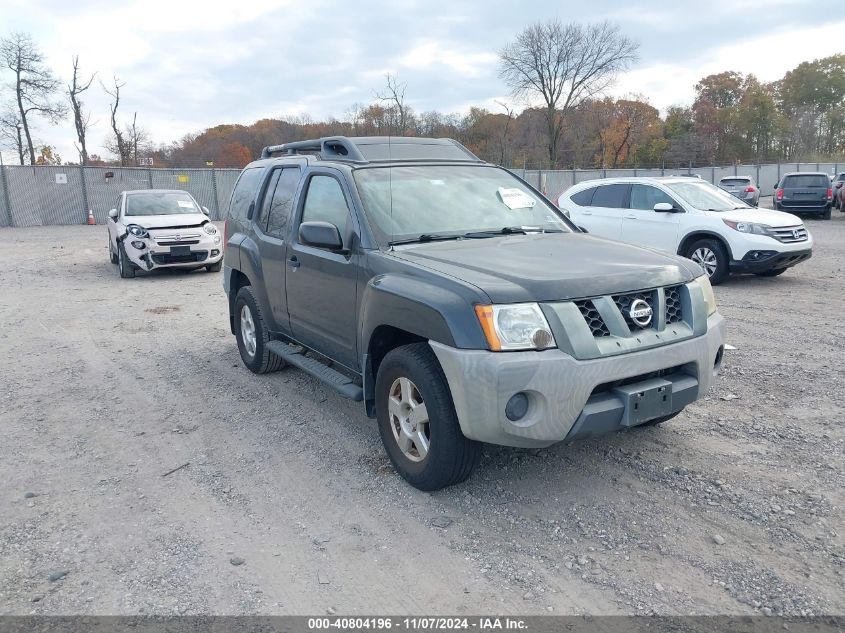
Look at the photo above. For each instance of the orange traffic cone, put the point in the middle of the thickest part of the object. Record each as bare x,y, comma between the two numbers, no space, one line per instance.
91,219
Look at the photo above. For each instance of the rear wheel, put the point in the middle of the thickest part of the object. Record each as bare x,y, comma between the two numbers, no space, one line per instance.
826,214
771,273
126,267
712,256
417,420
252,335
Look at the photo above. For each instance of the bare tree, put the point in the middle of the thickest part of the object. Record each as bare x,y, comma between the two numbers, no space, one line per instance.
80,118
34,84
136,137
504,141
118,145
564,64
395,96
11,132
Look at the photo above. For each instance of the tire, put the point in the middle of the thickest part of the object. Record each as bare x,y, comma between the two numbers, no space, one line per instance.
253,347
215,268
124,266
771,273
826,214
112,255
411,376
712,256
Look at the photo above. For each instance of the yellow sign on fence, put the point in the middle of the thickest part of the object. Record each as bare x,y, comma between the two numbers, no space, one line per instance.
182,178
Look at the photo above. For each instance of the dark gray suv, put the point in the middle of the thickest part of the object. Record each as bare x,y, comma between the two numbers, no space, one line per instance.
456,302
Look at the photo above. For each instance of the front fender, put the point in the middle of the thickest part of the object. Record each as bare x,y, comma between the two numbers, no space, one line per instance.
419,307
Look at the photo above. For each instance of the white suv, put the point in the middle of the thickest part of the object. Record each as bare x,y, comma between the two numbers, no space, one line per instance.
160,228
691,218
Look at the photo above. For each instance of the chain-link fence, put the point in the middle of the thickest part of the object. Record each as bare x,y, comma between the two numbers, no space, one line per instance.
44,195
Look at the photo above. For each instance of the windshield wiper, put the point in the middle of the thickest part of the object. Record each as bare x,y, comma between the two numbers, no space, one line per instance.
425,237
506,230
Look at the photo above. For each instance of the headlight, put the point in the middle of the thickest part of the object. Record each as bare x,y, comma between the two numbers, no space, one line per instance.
209,228
137,231
515,326
748,227
707,290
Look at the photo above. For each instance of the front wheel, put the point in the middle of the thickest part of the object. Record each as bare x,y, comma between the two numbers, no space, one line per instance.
112,255
417,420
126,267
712,256
252,335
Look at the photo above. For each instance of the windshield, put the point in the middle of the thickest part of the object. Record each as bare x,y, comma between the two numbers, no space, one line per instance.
407,203
160,203
704,196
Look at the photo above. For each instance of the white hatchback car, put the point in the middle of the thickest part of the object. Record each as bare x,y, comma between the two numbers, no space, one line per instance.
160,228
691,218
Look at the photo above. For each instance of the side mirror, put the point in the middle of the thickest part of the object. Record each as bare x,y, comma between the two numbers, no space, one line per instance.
205,210
665,207
320,235
113,214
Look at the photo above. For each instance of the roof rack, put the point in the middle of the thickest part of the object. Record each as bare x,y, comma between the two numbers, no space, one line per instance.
367,149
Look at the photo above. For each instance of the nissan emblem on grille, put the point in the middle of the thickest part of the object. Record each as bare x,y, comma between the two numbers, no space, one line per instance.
640,312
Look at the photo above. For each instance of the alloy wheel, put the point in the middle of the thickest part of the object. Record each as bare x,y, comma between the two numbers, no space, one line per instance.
706,258
409,419
248,331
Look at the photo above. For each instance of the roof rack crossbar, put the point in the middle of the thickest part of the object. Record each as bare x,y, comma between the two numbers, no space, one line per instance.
328,147
360,149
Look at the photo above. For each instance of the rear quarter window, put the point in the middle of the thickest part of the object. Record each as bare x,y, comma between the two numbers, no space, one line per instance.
244,192
806,180
583,198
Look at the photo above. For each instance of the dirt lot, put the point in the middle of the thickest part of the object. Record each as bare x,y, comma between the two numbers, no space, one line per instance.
288,504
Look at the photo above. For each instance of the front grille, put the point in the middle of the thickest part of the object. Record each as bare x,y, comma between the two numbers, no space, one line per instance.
789,234
623,302
179,243
673,305
167,258
594,321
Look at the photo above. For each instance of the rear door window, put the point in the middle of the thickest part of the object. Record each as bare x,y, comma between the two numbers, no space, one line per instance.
278,217
645,197
610,196
244,192
809,181
583,198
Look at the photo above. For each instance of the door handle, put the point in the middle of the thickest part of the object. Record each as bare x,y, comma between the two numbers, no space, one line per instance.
294,262
630,217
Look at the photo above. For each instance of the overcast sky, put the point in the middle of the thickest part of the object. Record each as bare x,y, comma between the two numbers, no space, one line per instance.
191,64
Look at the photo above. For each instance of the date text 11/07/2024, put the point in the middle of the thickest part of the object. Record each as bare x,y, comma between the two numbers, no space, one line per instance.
417,624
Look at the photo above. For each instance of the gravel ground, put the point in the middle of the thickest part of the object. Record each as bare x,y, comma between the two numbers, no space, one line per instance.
287,504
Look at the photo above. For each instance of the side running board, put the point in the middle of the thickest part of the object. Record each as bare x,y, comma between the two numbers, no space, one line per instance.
339,382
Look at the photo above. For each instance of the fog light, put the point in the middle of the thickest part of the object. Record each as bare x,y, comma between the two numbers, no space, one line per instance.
139,245
215,253
517,407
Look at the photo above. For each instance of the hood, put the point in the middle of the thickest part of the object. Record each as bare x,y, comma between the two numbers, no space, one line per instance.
550,267
169,220
761,216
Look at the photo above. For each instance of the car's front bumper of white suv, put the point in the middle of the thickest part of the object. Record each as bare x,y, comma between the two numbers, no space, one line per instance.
752,253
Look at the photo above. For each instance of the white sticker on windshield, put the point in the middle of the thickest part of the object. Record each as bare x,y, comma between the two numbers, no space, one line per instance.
185,204
516,198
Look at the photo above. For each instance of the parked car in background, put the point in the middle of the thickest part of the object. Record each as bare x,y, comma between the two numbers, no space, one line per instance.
838,185
456,302
691,218
161,228
805,192
742,187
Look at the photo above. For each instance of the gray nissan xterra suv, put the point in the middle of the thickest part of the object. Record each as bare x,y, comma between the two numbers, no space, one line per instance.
456,302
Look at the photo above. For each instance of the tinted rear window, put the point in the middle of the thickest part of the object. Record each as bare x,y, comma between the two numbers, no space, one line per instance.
806,180
583,198
610,196
734,181
244,192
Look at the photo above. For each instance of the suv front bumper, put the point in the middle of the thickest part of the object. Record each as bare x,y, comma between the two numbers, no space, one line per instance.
200,250
569,398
